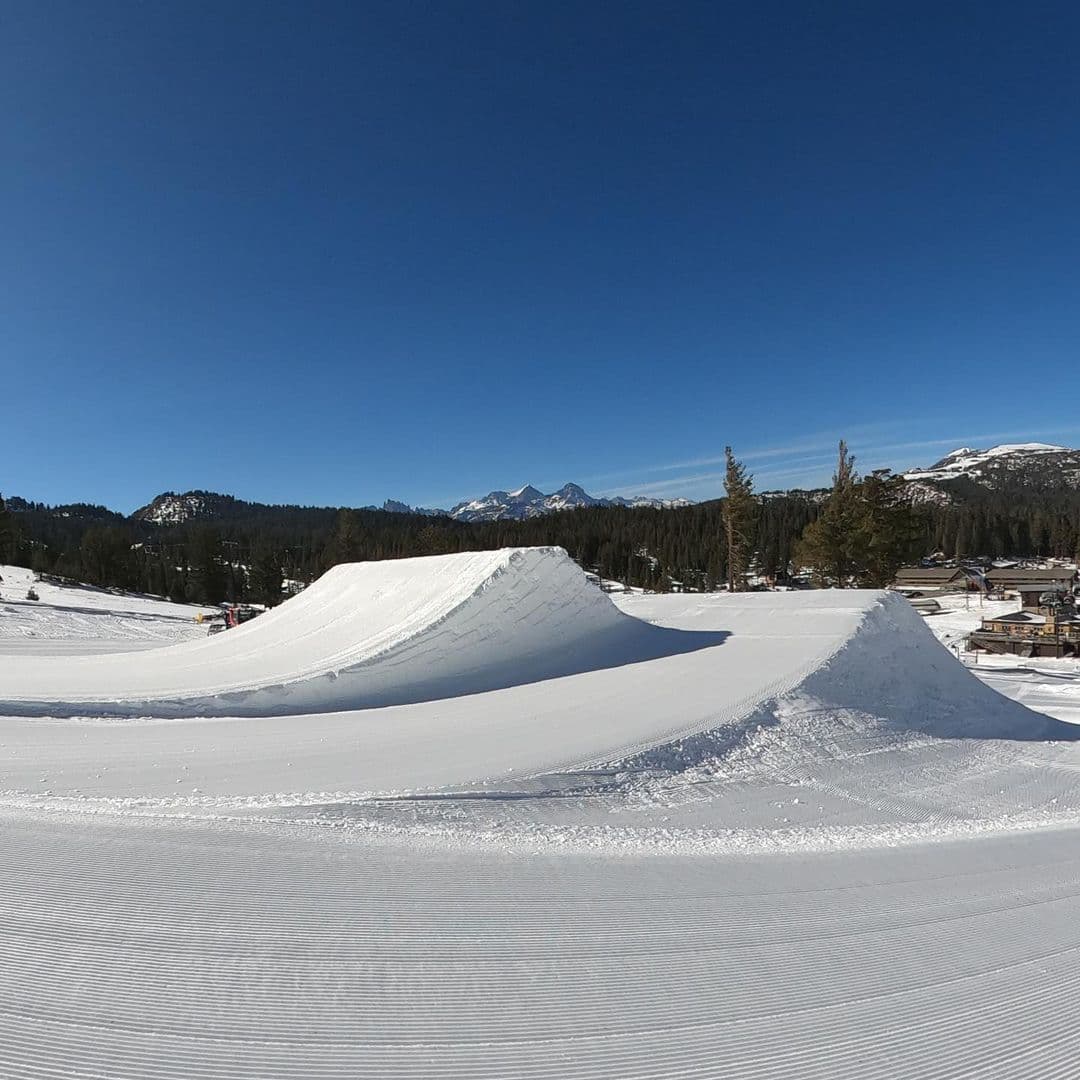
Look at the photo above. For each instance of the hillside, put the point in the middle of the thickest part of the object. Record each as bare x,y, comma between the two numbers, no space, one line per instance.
1029,465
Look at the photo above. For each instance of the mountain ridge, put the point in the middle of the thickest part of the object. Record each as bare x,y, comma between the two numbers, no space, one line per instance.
961,473
1042,465
173,508
529,501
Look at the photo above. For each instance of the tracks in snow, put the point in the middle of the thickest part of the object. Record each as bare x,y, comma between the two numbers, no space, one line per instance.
615,874
196,951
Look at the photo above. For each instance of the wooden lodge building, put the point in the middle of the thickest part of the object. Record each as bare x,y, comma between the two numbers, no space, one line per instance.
1031,584
1028,633
1047,623
930,580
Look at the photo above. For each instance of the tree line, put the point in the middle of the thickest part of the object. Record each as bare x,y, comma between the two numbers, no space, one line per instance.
247,556
855,533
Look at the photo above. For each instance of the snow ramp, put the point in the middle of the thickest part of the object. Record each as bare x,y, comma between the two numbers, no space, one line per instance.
873,677
365,635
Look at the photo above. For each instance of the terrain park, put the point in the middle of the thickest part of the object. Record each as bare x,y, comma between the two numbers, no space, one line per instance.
471,816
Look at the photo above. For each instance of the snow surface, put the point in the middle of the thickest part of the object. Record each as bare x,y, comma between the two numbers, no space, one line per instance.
788,835
73,618
1046,685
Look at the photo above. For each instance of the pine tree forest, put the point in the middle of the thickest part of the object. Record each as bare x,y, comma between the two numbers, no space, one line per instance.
252,549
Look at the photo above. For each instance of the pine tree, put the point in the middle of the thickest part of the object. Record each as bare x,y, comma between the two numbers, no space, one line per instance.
105,556
430,541
889,531
265,576
963,542
207,580
346,544
826,544
7,533
739,515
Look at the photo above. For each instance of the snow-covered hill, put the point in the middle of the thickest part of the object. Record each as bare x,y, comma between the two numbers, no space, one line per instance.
172,509
1029,464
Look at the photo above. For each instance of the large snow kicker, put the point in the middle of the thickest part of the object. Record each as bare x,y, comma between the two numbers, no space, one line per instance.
366,634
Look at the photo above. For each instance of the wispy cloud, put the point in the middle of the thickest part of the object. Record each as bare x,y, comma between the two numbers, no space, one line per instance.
810,443
659,487
807,461
813,457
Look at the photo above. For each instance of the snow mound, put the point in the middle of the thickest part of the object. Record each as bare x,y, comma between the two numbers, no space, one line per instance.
364,635
890,683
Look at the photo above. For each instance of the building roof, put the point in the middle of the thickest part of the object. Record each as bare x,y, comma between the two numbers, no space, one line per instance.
1013,578
929,575
1029,618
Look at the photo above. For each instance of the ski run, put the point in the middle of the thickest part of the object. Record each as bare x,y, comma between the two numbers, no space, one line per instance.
469,816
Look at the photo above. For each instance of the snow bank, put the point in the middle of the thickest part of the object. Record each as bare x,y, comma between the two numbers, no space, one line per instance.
366,634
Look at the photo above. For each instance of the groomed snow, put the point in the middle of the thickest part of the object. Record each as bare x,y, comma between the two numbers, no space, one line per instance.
72,618
756,836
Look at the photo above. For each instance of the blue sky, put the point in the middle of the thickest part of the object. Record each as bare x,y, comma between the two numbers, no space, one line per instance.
334,253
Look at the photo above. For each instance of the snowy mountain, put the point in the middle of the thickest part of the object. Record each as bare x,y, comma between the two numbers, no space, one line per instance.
528,502
1025,464
172,509
637,501
393,506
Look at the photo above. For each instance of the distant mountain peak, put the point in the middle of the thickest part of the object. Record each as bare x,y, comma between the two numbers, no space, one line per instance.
169,508
529,501
393,506
1027,464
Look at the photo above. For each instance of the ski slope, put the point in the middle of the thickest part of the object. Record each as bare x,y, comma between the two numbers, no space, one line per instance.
69,618
490,824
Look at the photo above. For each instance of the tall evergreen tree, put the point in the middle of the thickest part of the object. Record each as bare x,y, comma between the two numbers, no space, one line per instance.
826,544
7,533
207,580
265,576
105,557
889,531
346,544
739,516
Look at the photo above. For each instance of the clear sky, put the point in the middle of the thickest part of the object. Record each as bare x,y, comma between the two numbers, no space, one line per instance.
332,253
